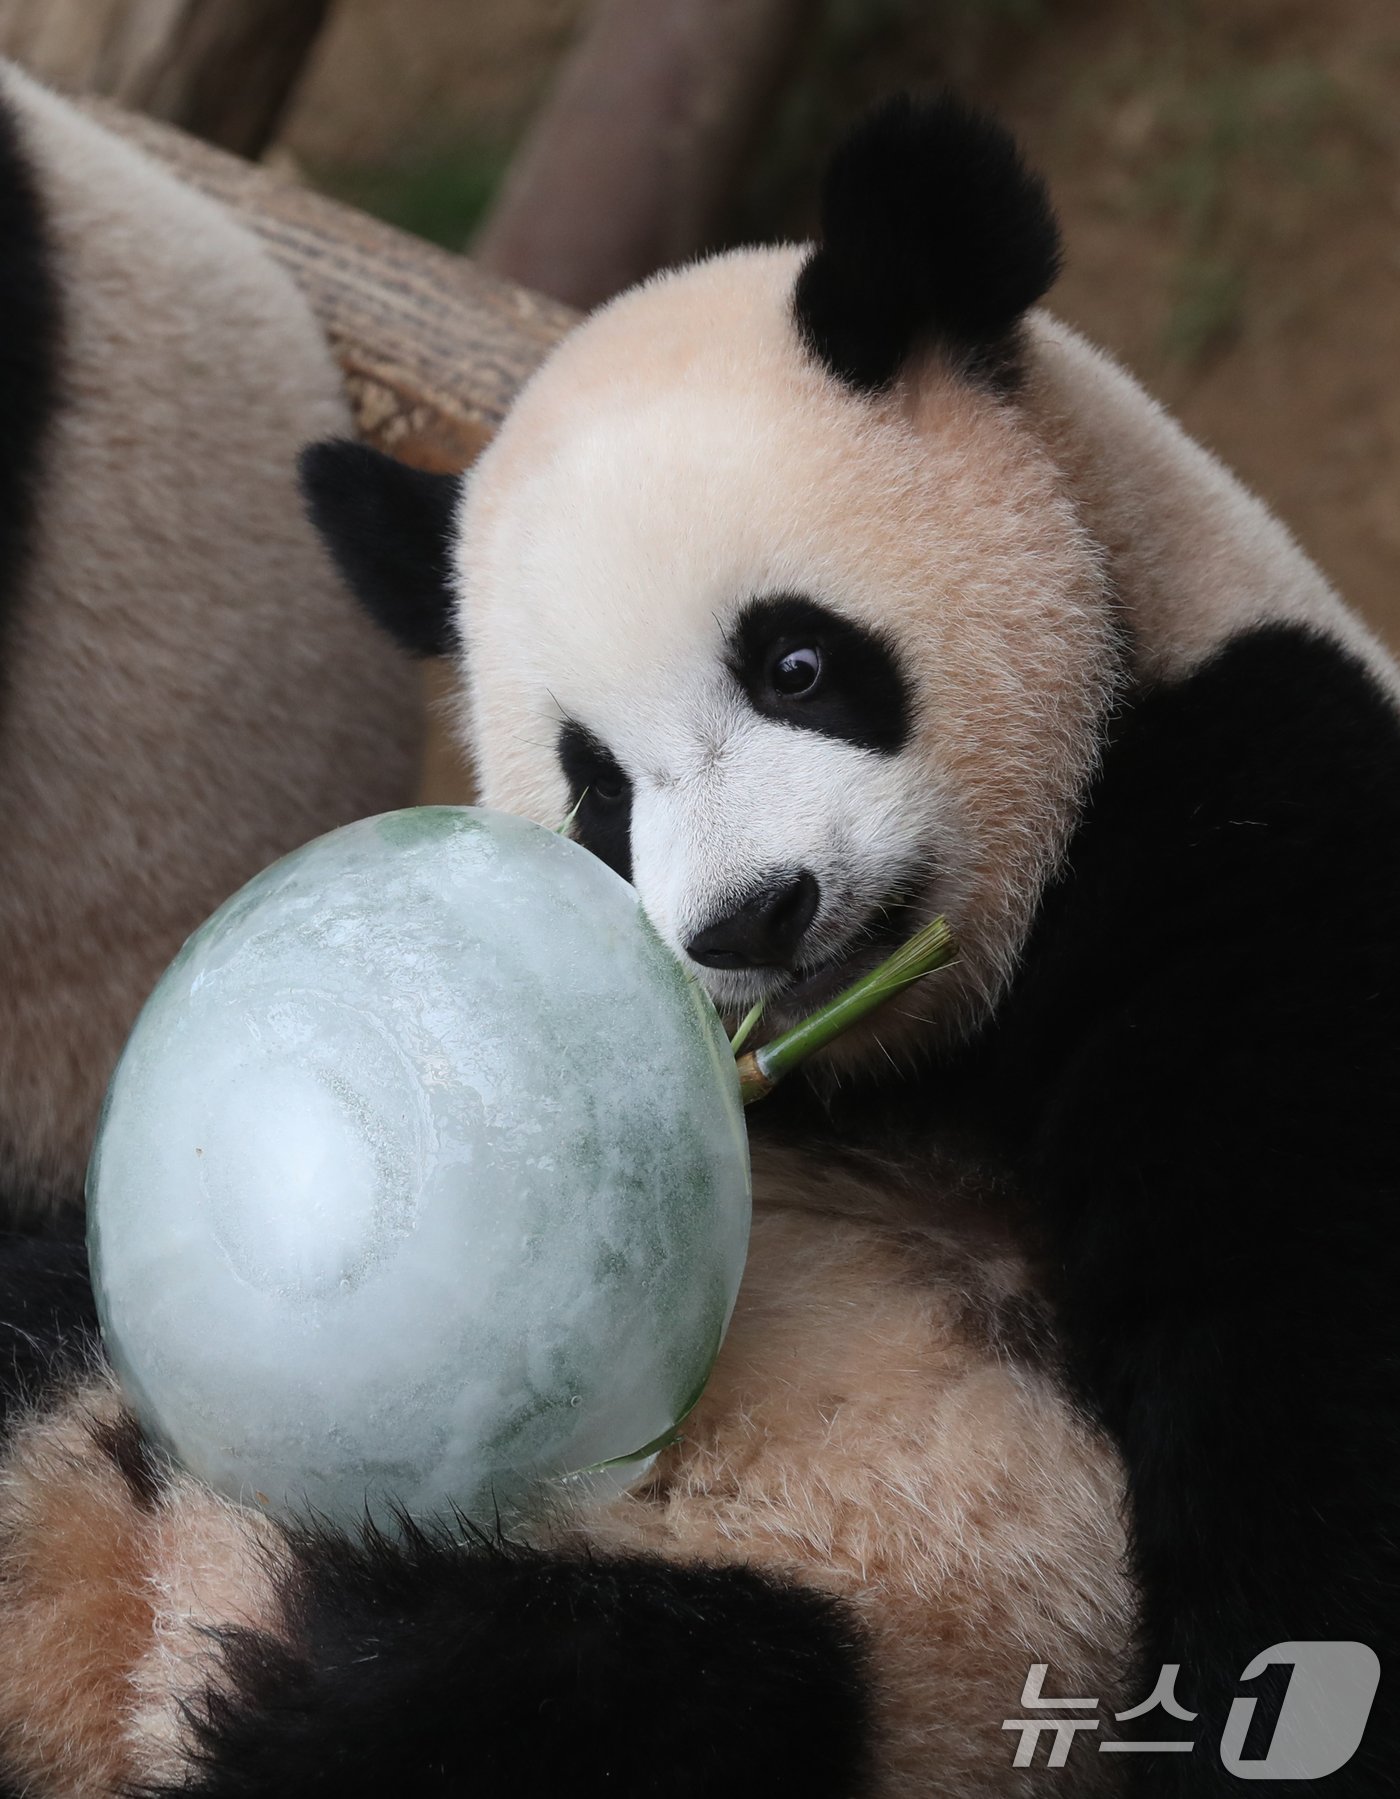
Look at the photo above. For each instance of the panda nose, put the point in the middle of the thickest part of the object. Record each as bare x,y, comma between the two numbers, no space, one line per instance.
763,932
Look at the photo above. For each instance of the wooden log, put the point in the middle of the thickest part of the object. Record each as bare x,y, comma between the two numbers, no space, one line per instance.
433,348
223,69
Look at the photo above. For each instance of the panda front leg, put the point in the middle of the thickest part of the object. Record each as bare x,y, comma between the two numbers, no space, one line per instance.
882,1513
1204,1058
157,1637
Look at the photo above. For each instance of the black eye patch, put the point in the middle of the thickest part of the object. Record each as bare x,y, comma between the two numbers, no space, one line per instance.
601,797
805,665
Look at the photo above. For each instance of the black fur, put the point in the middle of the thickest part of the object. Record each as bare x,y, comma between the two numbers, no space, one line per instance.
30,330
863,695
764,928
1198,1074
933,231
1205,1064
601,798
48,1322
389,530
124,1445
433,1667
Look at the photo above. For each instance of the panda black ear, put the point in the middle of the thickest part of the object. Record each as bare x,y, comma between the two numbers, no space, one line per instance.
389,530
933,230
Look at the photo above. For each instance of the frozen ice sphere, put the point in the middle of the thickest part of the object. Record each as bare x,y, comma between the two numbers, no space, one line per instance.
422,1181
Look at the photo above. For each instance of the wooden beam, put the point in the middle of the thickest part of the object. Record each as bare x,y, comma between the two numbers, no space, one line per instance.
433,348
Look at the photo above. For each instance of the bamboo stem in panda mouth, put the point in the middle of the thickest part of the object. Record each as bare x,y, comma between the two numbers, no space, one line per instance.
761,1069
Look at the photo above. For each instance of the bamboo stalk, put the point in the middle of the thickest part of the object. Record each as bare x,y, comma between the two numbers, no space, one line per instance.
761,1069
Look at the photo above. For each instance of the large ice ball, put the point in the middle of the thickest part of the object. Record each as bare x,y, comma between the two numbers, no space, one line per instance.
423,1178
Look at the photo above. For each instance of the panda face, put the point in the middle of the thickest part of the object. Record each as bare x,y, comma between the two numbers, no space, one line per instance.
757,795
807,667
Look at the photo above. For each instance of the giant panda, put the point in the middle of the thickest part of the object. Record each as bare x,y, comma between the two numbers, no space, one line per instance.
824,588
184,692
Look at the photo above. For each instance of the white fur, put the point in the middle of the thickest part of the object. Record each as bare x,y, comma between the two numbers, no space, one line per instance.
1195,557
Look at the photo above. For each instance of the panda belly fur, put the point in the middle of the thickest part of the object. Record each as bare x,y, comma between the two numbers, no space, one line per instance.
1160,1106
887,1421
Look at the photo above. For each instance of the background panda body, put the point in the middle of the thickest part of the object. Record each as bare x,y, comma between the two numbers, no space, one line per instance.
1103,1217
185,694
184,697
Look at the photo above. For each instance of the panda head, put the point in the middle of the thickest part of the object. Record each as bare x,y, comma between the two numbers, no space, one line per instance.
768,584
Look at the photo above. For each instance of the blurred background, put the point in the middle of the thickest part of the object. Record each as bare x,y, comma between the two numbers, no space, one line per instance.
1227,171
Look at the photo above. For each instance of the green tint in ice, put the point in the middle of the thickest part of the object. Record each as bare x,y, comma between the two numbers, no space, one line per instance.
422,1178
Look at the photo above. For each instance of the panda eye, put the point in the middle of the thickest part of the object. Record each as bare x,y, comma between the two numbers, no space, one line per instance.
806,666
608,785
594,774
601,797
795,673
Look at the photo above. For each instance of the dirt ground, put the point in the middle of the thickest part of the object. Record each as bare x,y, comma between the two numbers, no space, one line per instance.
1227,172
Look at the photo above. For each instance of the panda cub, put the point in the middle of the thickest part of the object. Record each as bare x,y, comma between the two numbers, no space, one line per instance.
833,588
827,589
